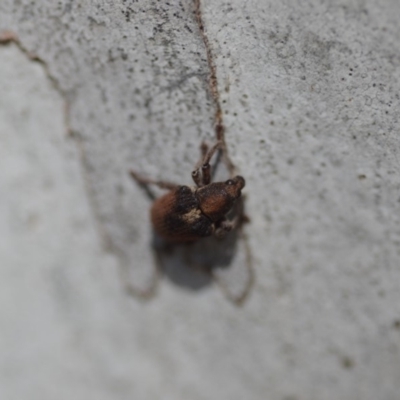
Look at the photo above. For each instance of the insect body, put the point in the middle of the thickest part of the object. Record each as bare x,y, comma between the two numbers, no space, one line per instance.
188,213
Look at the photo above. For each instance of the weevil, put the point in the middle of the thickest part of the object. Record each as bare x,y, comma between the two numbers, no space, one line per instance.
188,213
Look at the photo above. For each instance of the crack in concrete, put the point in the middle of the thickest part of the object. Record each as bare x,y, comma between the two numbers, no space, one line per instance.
220,135
9,37
213,85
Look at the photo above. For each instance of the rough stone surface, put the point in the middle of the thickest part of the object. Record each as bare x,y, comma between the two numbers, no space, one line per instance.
310,100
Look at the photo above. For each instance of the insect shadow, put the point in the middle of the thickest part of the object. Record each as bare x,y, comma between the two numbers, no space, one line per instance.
198,235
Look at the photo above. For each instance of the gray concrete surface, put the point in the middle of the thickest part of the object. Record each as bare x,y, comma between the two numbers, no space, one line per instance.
309,94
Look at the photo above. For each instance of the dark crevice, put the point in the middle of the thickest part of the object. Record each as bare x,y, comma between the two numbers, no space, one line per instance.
8,38
213,86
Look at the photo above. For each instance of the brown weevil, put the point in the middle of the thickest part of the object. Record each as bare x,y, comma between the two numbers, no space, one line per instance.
188,213
207,210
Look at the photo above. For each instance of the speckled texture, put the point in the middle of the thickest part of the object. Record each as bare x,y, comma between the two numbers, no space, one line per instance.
310,102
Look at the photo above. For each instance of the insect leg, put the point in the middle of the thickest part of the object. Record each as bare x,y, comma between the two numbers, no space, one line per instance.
196,173
204,178
146,181
197,177
238,283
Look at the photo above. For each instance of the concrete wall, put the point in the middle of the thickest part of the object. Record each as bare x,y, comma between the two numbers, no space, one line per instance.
308,96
